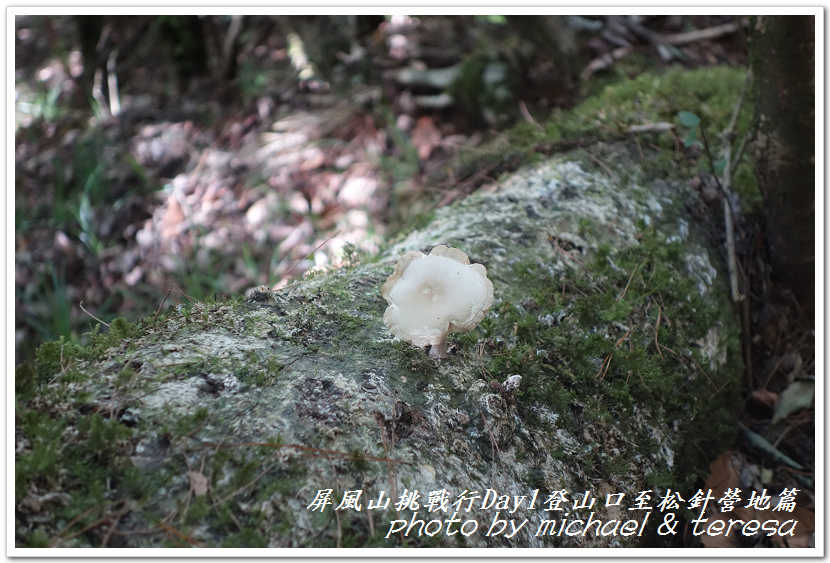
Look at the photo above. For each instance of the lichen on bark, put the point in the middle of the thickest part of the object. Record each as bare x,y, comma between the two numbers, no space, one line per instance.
606,303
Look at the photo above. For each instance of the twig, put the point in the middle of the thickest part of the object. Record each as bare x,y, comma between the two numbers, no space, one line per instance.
730,251
494,447
697,365
642,381
145,532
728,213
604,167
622,295
467,185
730,129
117,518
702,34
621,340
738,154
746,323
175,288
656,329
81,305
528,117
339,543
337,232
180,535
603,62
388,463
658,127
242,488
75,519
605,364
725,185
228,50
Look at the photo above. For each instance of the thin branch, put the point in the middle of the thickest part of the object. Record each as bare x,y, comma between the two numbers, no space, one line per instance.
493,444
732,259
76,519
631,277
318,247
244,487
738,154
605,61
604,167
603,368
117,518
643,381
81,305
702,34
621,340
171,530
728,214
658,127
730,129
528,117
175,288
656,330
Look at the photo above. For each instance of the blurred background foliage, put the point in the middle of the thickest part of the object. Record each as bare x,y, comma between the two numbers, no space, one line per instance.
218,153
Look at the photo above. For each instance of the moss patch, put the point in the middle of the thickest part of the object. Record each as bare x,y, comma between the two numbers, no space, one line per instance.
602,308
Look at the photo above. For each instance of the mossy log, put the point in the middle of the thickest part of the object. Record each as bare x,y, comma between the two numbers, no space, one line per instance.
218,424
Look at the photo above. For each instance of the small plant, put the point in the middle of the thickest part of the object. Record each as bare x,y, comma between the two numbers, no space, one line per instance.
692,122
44,105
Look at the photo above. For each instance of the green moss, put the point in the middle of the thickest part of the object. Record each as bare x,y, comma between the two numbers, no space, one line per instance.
188,424
417,222
604,354
199,508
52,358
25,381
37,538
651,97
247,537
81,457
119,330
243,475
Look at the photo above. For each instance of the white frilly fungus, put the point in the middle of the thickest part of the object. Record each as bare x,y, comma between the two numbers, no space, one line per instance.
432,295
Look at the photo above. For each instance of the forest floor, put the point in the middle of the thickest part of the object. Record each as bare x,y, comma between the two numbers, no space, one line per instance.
215,187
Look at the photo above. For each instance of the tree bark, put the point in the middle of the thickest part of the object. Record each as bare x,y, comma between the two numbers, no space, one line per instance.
782,52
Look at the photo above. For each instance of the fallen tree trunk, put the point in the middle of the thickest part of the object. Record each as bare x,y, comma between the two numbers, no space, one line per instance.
246,423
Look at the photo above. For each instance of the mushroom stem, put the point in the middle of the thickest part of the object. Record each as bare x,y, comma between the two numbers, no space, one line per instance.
439,350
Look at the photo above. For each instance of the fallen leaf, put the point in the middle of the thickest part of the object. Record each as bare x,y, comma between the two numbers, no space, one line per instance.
721,541
804,530
726,473
198,483
764,398
798,396
173,217
425,137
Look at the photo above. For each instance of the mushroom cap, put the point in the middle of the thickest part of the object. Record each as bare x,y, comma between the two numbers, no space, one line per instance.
433,295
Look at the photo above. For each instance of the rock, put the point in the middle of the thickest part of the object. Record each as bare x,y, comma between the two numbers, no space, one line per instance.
289,408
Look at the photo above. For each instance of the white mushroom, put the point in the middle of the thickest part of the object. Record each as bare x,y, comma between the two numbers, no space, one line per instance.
433,295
